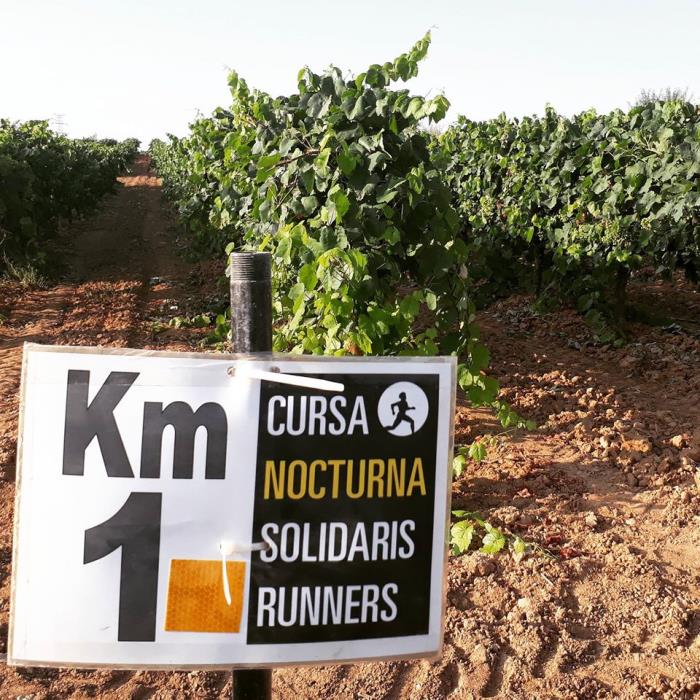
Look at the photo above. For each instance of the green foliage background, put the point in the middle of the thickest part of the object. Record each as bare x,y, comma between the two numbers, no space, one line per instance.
46,177
383,235
338,182
583,200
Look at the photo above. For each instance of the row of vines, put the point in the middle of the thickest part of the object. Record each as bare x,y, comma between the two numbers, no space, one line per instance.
339,183
46,178
574,205
384,235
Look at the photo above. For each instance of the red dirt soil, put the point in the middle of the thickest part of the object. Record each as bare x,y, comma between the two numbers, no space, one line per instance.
609,484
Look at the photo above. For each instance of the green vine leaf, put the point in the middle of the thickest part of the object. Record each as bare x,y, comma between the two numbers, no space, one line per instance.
461,535
494,540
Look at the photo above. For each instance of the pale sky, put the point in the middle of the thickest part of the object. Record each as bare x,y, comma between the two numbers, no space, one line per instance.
145,67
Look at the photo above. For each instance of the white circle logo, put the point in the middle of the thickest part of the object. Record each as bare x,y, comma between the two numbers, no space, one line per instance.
403,408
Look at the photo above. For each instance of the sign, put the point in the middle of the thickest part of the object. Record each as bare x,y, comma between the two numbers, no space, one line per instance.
184,510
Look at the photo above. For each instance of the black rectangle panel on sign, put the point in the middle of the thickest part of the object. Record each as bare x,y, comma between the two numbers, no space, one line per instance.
349,475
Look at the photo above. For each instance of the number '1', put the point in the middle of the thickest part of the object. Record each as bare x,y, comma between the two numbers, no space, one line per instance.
135,527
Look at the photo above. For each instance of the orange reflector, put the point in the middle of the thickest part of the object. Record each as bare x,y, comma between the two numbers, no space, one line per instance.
196,601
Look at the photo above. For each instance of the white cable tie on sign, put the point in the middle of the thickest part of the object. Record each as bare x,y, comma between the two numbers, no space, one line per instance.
245,372
229,547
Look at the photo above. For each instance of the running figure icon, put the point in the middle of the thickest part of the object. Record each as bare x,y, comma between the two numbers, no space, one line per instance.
400,410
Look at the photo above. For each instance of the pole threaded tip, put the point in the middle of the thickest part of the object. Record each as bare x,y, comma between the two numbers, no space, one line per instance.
251,267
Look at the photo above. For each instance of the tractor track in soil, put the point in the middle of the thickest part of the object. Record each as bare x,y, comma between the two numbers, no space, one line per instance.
608,484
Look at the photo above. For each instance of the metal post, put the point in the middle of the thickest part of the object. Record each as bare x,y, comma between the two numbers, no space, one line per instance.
251,325
251,302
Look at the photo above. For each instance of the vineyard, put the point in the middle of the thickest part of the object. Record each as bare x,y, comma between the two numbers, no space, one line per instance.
46,178
373,222
559,259
574,206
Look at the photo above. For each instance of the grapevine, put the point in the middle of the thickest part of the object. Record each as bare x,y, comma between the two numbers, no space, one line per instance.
338,182
46,178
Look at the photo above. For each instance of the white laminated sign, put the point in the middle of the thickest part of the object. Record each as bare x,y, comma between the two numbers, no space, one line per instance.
179,511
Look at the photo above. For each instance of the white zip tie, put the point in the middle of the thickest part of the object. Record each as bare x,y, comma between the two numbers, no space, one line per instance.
245,371
229,547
